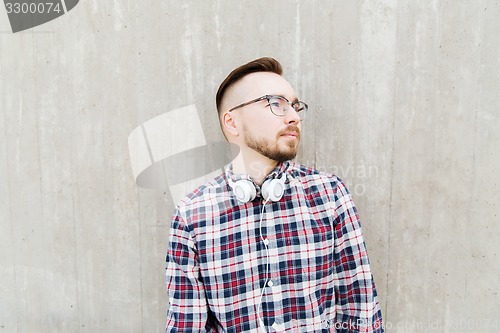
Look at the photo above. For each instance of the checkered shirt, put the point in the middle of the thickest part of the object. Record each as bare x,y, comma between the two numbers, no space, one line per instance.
296,265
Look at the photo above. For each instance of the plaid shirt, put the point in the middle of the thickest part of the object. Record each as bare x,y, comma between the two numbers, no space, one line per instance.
296,265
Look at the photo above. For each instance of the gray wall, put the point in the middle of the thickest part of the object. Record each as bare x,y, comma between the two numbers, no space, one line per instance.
404,107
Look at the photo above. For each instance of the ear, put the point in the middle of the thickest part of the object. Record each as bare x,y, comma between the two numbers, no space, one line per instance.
229,124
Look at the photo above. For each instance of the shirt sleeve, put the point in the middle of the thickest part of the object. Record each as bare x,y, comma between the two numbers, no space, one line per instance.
356,301
188,310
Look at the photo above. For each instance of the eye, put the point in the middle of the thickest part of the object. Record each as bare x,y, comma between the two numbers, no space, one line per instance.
298,106
276,102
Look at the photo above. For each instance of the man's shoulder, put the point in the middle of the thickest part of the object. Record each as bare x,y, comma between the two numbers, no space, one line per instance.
318,183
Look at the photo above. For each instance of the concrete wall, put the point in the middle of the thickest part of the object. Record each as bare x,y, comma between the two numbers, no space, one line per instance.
404,107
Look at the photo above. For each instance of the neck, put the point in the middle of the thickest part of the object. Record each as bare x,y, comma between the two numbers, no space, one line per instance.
255,165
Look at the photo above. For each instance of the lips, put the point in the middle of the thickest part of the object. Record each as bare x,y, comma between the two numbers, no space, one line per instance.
291,131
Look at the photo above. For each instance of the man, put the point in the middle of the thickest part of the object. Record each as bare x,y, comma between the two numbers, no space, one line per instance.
268,245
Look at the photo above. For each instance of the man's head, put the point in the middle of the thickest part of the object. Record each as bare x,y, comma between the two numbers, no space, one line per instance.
255,120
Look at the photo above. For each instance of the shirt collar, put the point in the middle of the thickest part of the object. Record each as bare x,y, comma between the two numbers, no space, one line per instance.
275,173
279,170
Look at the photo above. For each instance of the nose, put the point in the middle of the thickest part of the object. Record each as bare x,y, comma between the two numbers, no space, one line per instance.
292,116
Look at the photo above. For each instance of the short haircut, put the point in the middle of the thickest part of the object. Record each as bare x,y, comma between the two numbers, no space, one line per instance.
265,64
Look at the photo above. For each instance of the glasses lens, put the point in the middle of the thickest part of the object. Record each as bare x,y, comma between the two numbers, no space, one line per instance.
278,105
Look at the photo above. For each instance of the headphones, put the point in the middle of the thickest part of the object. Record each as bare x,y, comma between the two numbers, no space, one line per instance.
272,189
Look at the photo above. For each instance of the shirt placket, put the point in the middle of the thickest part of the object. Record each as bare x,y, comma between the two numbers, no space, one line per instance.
272,289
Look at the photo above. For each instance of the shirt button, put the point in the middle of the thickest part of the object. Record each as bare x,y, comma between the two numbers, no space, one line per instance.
275,326
266,241
270,283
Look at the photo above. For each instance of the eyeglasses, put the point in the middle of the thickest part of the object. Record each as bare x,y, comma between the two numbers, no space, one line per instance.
279,105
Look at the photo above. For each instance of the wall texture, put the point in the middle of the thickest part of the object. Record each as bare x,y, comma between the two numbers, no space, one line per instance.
404,99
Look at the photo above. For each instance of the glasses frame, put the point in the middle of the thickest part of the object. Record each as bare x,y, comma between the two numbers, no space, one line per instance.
269,97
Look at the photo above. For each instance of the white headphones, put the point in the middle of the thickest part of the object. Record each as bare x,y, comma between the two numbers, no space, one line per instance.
245,191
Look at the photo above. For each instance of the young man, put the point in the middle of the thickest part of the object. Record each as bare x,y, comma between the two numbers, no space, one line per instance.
268,245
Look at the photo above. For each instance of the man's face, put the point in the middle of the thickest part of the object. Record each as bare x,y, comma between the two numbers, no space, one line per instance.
275,137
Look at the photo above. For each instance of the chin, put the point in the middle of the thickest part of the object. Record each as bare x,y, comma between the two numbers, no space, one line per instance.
286,155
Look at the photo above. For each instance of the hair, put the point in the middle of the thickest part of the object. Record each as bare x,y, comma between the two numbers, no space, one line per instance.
265,64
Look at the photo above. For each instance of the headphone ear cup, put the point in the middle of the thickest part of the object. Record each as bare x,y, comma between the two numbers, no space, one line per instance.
244,190
273,189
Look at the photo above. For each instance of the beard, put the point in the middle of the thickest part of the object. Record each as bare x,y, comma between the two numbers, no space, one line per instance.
271,148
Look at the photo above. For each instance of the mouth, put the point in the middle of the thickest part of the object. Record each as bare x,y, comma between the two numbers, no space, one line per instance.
291,132
291,135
